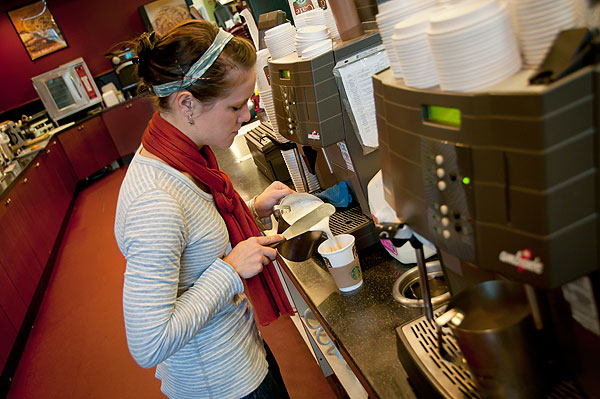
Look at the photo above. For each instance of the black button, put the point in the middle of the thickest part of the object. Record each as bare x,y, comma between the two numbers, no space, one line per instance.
458,227
456,214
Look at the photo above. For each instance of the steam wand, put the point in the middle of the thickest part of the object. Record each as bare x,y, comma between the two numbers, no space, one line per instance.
418,246
388,231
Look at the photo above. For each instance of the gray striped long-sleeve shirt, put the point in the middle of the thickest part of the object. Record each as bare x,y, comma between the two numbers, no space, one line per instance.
184,307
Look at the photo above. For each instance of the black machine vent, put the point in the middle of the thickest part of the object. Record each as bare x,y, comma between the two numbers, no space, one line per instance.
345,221
454,381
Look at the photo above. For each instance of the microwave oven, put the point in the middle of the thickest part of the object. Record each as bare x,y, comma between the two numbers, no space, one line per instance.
67,89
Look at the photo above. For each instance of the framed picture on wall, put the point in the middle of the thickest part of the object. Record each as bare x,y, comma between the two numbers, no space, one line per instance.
37,29
162,15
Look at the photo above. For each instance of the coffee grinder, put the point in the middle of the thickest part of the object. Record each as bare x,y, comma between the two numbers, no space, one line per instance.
310,113
504,181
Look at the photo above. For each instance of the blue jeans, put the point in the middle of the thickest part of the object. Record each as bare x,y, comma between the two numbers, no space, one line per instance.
272,386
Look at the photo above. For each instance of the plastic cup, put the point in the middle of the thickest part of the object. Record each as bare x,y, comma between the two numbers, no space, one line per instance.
342,261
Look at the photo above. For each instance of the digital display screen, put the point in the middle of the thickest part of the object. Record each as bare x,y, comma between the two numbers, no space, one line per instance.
442,115
60,92
284,74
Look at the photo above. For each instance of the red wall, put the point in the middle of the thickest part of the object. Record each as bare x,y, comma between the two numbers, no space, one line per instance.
90,27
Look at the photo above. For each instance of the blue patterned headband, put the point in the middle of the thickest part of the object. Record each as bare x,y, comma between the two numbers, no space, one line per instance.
199,67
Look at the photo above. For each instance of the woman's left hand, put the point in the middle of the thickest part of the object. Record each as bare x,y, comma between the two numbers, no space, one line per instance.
265,202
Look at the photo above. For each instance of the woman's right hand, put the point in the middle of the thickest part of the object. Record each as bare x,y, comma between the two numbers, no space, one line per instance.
249,256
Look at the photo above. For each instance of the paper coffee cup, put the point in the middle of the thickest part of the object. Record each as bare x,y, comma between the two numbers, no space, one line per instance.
342,261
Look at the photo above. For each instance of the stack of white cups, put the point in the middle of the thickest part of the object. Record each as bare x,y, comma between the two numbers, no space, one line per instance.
264,91
538,23
309,36
311,17
290,158
280,40
412,50
266,98
473,45
391,13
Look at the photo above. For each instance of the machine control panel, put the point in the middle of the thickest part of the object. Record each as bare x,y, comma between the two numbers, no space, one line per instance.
289,109
446,173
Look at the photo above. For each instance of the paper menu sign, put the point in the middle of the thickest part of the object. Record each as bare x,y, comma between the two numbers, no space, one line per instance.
354,75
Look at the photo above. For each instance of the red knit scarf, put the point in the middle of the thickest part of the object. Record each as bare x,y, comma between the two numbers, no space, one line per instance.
176,149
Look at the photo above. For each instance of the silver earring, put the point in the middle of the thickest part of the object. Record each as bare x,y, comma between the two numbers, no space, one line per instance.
190,119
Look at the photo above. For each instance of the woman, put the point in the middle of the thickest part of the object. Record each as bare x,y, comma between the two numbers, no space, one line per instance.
190,242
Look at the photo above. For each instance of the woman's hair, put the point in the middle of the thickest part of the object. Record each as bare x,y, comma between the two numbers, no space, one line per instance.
167,58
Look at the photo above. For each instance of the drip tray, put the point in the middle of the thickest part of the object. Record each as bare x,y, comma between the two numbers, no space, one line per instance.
353,221
346,221
418,341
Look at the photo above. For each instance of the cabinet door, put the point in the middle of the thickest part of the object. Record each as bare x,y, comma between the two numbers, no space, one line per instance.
57,169
127,122
88,146
101,145
59,162
8,334
74,144
10,301
17,257
37,191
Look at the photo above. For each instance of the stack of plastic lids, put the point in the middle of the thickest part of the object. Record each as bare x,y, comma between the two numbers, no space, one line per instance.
412,49
290,157
317,49
330,22
310,35
311,17
473,45
264,91
280,40
538,23
392,12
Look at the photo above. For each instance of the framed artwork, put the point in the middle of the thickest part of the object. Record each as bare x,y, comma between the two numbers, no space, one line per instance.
37,29
162,15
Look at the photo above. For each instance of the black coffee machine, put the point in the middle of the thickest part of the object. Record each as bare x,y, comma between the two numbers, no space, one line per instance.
310,113
505,182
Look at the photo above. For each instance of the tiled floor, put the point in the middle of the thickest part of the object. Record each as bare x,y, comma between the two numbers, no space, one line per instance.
77,348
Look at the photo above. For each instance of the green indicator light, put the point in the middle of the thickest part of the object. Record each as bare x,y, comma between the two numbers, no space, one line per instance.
466,180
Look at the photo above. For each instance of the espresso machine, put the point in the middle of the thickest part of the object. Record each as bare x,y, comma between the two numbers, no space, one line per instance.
504,181
309,110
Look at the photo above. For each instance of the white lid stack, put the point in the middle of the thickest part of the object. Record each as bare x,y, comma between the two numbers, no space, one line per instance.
280,40
538,23
392,12
264,91
289,157
412,50
310,35
311,17
473,45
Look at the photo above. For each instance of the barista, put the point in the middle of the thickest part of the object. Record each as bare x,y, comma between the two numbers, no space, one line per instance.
190,241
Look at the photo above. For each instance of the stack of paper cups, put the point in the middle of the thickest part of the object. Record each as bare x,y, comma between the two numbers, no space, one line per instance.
413,52
290,158
264,91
